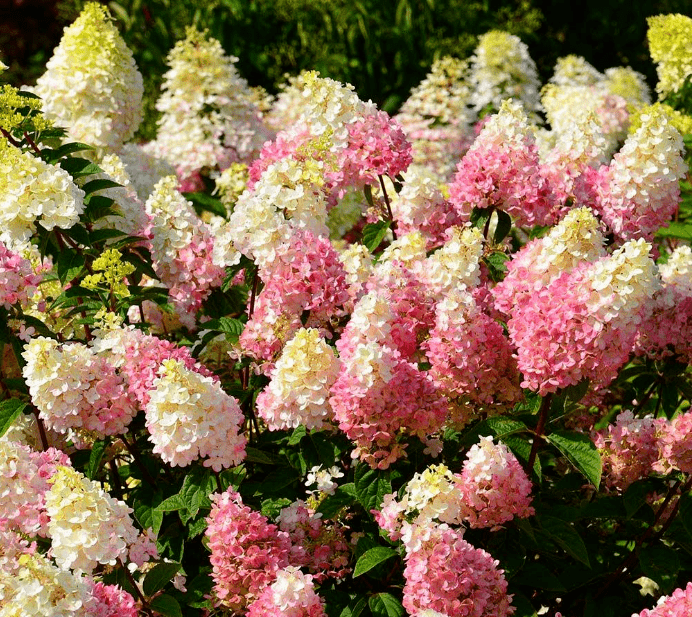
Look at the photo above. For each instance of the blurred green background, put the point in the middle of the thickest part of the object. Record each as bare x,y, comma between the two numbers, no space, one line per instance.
383,47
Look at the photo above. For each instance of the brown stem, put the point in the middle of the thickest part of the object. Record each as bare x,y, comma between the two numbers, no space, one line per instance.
135,586
41,428
540,427
9,138
32,143
389,206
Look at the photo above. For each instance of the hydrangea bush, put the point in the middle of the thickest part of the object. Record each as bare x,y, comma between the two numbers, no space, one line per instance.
297,357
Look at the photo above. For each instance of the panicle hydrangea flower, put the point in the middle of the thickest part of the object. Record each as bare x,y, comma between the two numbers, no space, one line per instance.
494,487
501,169
677,604
573,70
456,264
288,105
209,118
24,476
87,526
421,206
231,184
18,278
91,85
437,117
110,601
292,594
678,119
35,587
471,359
318,545
323,479
298,392
74,388
434,494
189,416
447,574
378,398
143,169
674,444
566,104
247,550
628,449
577,238
32,191
583,323
358,265
629,84
670,46
182,250
371,321
639,191
502,68
668,330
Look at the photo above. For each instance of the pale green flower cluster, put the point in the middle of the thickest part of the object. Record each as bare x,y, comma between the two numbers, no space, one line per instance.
670,46
92,86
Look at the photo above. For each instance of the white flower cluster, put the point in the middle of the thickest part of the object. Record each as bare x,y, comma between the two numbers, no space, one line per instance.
357,262
92,85
456,264
143,168
622,283
434,494
677,270
502,68
300,381
209,119
567,153
33,587
74,388
189,417
574,70
407,249
33,191
87,526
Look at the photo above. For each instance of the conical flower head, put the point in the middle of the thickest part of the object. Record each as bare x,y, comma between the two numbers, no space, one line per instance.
670,46
92,86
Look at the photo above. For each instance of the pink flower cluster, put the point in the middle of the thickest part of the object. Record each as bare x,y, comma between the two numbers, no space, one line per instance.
291,595
247,550
675,444
111,601
677,604
18,280
448,575
494,486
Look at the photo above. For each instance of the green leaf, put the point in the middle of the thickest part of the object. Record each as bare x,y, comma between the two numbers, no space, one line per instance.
78,167
522,606
95,457
676,230
521,448
660,563
159,576
685,510
503,227
537,576
367,191
231,327
371,486
69,265
10,409
566,537
100,185
501,426
374,233
172,504
202,202
51,156
371,558
147,516
581,452
385,605
496,263
166,605
253,455
479,217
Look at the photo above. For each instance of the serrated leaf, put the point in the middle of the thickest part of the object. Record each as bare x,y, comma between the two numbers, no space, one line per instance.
521,448
147,516
69,265
65,149
581,452
166,605
566,537
371,486
374,233
95,457
253,455
78,167
172,504
332,504
371,558
10,410
479,217
159,576
385,605
501,426
676,230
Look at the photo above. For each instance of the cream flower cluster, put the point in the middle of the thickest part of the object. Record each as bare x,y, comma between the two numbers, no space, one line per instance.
32,191
87,526
92,85
209,118
502,68
299,389
189,417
